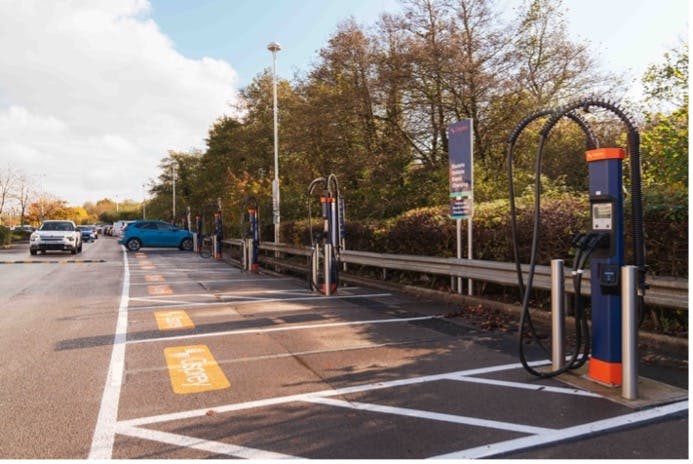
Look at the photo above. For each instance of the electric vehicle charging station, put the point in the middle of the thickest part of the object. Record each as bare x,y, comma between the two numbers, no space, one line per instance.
217,235
611,299
218,232
327,244
250,234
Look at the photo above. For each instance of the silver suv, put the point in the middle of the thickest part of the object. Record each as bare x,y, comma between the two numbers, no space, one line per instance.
56,235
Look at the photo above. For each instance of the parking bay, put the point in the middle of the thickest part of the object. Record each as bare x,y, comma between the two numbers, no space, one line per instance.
219,363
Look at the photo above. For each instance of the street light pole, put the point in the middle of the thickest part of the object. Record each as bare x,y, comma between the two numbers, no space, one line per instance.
144,202
274,47
173,211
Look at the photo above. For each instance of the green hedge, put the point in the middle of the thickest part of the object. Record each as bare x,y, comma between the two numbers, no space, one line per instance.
430,232
5,236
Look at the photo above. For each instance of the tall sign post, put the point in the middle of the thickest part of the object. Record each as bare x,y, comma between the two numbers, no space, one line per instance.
460,152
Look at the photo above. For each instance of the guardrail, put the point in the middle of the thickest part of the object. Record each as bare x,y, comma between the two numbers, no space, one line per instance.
663,291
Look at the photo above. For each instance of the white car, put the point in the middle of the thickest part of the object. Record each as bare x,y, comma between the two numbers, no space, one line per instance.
119,227
56,235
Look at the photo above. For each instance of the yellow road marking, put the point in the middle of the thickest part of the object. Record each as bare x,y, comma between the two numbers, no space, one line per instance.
193,369
154,278
145,263
159,290
147,268
173,320
140,255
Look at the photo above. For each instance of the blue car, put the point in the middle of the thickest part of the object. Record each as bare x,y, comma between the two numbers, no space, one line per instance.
155,234
88,233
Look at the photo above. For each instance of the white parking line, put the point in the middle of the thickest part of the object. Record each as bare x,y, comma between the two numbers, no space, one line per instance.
465,420
284,328
104,432
316,298
215,447
324,393
526,386
568,433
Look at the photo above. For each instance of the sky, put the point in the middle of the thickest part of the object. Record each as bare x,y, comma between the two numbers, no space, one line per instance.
93,93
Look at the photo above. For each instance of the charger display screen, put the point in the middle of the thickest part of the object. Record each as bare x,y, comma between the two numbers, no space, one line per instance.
602,216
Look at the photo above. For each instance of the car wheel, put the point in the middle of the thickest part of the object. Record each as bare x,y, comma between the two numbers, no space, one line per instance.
33,252
74,251
134,244
186,244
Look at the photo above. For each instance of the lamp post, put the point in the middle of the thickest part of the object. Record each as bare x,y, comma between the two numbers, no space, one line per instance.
144,202
173,209
274,47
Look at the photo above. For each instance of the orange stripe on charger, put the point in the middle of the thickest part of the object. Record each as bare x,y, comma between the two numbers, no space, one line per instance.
604,153
605,372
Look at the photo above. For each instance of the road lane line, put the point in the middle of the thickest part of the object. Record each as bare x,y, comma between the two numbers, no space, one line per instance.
173,320
284,329
210,446
568,433
193,369
466,420
104,432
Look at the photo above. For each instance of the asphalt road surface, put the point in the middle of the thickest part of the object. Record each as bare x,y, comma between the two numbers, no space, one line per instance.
163,354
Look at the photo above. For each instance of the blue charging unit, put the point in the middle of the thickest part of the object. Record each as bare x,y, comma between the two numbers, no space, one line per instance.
606,215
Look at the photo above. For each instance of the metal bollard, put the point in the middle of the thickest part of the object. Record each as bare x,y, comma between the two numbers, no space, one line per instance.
629,334
328,268
196,249
557,314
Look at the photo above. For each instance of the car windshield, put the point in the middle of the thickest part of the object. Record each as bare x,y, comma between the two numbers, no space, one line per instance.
56,226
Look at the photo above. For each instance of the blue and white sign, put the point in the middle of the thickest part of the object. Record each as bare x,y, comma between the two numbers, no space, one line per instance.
460,148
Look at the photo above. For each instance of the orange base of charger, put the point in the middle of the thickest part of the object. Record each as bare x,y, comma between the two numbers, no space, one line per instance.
609,373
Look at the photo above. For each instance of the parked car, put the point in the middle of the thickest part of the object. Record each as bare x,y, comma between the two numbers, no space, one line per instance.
56,235
88,233
155,234
119,226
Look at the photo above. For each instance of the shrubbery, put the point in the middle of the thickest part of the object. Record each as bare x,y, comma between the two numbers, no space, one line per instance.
430,232
5,236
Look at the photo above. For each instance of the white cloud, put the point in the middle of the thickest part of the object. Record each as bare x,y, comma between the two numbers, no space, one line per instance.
93,95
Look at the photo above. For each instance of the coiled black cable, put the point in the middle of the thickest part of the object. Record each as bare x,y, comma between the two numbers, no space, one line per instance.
525,317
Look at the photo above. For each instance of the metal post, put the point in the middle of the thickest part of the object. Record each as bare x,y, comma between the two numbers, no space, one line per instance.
274,47
470,246
459,252
173,211
328,268
557,314
629,336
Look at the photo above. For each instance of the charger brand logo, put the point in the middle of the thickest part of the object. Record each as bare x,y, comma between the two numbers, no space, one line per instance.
193,369
173,320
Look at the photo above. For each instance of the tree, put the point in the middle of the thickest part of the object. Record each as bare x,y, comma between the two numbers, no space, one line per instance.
665,135
23,195
7,180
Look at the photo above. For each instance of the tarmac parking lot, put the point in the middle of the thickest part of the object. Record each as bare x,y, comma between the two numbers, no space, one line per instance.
217,362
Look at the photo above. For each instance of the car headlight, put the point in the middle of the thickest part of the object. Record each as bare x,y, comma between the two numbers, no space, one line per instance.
70,238
34,237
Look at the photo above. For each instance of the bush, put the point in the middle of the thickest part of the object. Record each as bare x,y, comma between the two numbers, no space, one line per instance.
430,232
5,236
